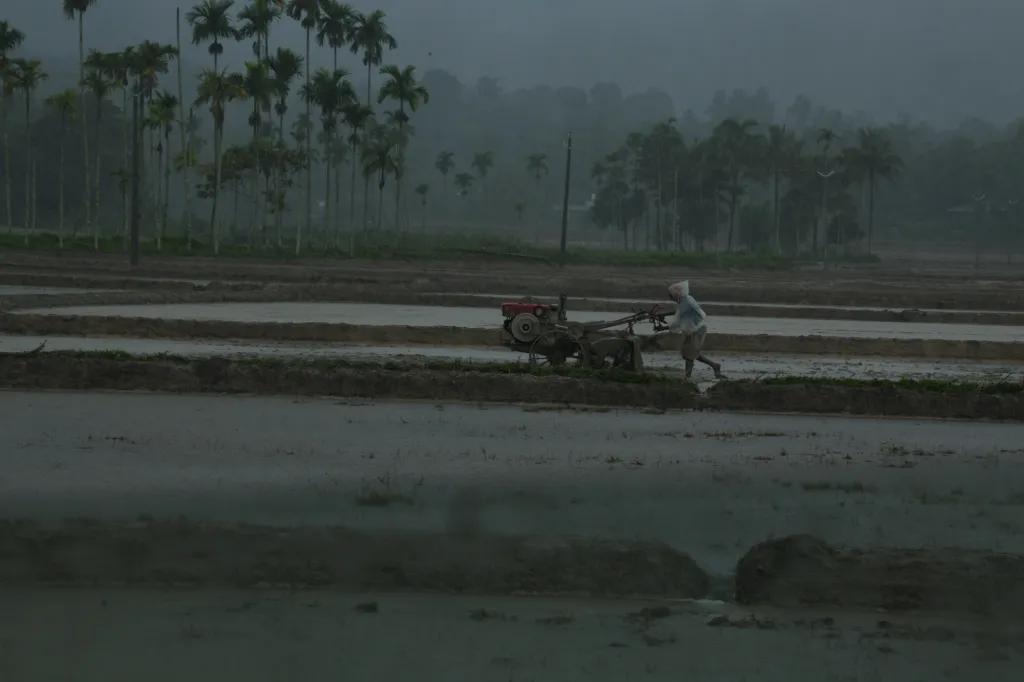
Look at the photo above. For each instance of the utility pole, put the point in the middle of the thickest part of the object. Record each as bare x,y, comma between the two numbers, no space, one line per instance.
1011,237
824,210
136,213
565,197
978,198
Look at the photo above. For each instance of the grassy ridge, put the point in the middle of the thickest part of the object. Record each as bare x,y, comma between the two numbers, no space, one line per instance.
425,247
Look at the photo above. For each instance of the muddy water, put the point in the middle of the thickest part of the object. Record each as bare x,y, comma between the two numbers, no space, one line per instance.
272,636
609,474
736,366
436,316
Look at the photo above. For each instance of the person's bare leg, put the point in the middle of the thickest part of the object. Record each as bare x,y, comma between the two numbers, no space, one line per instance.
689,368
710,363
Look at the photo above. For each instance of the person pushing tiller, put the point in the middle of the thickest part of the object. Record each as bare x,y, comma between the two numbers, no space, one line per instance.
691,322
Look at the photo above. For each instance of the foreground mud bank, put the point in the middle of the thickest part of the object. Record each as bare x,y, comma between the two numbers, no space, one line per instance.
802,571
183,552
793,572
794,288
504,384
162,328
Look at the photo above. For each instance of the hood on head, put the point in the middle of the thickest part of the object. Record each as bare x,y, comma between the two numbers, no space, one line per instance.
680,290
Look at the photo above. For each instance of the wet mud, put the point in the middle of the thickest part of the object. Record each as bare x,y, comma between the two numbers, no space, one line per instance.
801,571
323,332
871,288
183,552
73,371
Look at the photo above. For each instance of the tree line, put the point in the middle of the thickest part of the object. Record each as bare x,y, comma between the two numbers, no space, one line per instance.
280,149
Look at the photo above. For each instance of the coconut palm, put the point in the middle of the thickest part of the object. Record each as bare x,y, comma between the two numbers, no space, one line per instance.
285,65
216,89
445,163
329,91
380,157
10,39
537,166
65,103
307,13
464,181
211,23
255,20
162,115
482,164
422,190
401,87
334,28
76,9
26,75
872,159
370,36
358,117
99,84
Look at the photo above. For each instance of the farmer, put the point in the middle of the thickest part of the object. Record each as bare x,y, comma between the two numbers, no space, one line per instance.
692,322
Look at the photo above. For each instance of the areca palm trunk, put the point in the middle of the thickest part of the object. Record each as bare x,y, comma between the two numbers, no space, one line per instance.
218,169
167,176
278,197
352,196
366,181
159,157
309,164
775,213
7,159
871,208
85,127
96,184
124,195
60,223
28,163
186,150
327,194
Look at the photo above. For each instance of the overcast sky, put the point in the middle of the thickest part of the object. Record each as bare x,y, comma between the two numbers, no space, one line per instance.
938,59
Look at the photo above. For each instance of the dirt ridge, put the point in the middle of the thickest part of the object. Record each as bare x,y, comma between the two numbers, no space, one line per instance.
160,328
61,371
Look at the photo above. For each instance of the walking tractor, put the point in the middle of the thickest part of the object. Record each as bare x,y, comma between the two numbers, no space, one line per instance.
543,331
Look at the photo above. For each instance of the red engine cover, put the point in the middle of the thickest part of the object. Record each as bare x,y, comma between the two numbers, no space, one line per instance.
514,308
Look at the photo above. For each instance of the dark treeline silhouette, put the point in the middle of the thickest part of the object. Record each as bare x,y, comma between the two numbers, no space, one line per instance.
268,149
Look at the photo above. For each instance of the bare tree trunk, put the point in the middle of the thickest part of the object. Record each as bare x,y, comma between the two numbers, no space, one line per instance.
186,147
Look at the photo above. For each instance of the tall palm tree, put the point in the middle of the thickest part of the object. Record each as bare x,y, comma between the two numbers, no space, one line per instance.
26,76
258,86
100,85
162,114
65,103
537,166
735,143
329,91
422,190
211,23
370,36
307,13
873,159
464,181
781,147
255,20
401,87
358,117
380,158
76,9
482,163
334,28
10,40
445,164
285,65
216,89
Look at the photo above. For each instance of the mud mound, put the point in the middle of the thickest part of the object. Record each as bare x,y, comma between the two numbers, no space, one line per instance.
800,571
193,553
